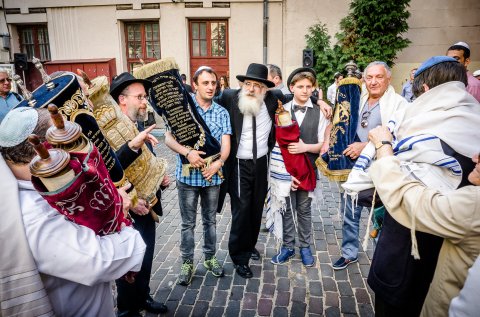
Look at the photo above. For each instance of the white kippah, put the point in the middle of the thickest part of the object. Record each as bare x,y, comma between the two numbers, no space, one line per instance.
476,73
462,44
17,125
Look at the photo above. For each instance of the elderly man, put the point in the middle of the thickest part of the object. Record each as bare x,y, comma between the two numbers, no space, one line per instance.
130,94
434,139
8,99
376,107
461,52
203,181
251,109
275,76
75,266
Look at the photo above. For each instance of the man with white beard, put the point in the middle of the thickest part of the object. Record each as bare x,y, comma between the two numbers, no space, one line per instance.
252,110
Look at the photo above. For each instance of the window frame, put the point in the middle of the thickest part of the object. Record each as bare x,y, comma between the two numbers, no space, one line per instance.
35,29
143,43
209,38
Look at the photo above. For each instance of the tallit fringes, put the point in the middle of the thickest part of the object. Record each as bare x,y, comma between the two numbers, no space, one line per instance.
185,170
370,216
154,68
415,253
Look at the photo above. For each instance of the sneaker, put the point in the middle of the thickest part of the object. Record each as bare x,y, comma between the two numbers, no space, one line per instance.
343,263
307,257
213,266
283,256
186,273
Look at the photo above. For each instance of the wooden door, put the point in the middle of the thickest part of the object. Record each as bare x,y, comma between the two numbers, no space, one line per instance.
209,45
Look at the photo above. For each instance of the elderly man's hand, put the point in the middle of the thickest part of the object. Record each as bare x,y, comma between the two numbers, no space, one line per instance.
379,134
136,143
141,208
325,108
353,150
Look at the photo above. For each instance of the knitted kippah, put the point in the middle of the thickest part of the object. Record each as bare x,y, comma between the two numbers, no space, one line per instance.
432,61
17,125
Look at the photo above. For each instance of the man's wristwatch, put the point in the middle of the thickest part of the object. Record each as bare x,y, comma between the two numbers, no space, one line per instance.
382,143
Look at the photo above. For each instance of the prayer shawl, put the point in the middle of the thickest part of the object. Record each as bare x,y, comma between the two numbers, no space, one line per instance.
21,289
90,199
334,164
447,113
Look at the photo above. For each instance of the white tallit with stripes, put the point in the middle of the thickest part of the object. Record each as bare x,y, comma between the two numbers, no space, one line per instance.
446,112
22,292
278,190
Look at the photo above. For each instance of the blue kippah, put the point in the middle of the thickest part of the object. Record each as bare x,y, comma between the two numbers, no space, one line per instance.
432,61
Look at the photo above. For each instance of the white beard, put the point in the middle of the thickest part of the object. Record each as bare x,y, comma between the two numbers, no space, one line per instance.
248,104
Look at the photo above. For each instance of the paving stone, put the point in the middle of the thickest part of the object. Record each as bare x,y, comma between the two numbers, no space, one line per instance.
315,288
340,275
326,270
280,312
268,291
225,282
177,292
215,311
282,271
264,307
220,298
184,310
348,305
366,310
344,288
253,285
299,294
268,277
200,308
362,296
329,284
233,308
298,309
331,299
315,305
283,284
206,293
172,307
250,301
323,257
312,273
332,312
283,299
248,313
238,280
190,297
236,293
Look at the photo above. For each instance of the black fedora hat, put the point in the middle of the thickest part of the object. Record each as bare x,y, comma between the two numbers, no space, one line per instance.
301,70
123,80
257,72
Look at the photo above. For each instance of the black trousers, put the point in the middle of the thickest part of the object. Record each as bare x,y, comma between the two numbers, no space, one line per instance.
248,189
132,297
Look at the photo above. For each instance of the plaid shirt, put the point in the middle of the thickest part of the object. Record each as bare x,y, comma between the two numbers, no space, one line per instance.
218,121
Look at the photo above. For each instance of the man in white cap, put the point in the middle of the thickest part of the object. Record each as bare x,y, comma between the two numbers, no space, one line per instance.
476,74
54,267
461,52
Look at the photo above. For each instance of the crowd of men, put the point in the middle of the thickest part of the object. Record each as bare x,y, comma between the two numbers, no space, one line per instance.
440,226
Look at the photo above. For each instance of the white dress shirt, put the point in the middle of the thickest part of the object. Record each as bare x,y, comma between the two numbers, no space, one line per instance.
332,93
322,124
264,126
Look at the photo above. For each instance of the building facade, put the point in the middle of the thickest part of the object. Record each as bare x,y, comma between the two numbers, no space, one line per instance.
109,37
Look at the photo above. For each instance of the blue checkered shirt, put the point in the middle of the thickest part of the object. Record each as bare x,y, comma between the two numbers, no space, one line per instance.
218,121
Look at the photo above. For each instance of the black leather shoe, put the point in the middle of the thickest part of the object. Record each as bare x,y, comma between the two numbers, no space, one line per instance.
154,307
244,270
255,255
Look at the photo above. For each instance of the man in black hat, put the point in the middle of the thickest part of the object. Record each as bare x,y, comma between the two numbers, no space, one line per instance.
130,94
251,109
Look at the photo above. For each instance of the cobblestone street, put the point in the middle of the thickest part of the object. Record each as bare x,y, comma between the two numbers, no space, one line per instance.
284,290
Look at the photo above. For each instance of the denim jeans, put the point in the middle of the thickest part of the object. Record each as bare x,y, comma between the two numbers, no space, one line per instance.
350,229
302,205
188,201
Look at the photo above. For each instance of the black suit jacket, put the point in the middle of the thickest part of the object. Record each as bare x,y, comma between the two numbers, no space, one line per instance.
229,100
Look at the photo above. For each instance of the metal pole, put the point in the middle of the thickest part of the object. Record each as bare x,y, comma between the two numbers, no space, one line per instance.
265,31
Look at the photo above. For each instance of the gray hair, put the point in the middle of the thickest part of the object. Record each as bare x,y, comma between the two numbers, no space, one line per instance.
6,71
274,70
387,69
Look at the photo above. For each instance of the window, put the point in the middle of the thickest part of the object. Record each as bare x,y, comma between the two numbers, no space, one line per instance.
143,42
208,38
34,41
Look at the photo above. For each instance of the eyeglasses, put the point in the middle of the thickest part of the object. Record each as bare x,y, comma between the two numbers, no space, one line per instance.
139,97
250,84
4,80
364,122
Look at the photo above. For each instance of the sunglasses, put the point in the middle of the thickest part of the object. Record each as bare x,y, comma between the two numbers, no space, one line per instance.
5,80
364,122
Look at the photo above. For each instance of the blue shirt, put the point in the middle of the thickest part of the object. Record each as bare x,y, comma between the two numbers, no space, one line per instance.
218,121
7,104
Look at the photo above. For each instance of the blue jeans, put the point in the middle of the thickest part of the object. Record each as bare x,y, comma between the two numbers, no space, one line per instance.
188,201
350,229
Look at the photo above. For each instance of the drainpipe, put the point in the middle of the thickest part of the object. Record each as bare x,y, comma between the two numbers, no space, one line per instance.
265,30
